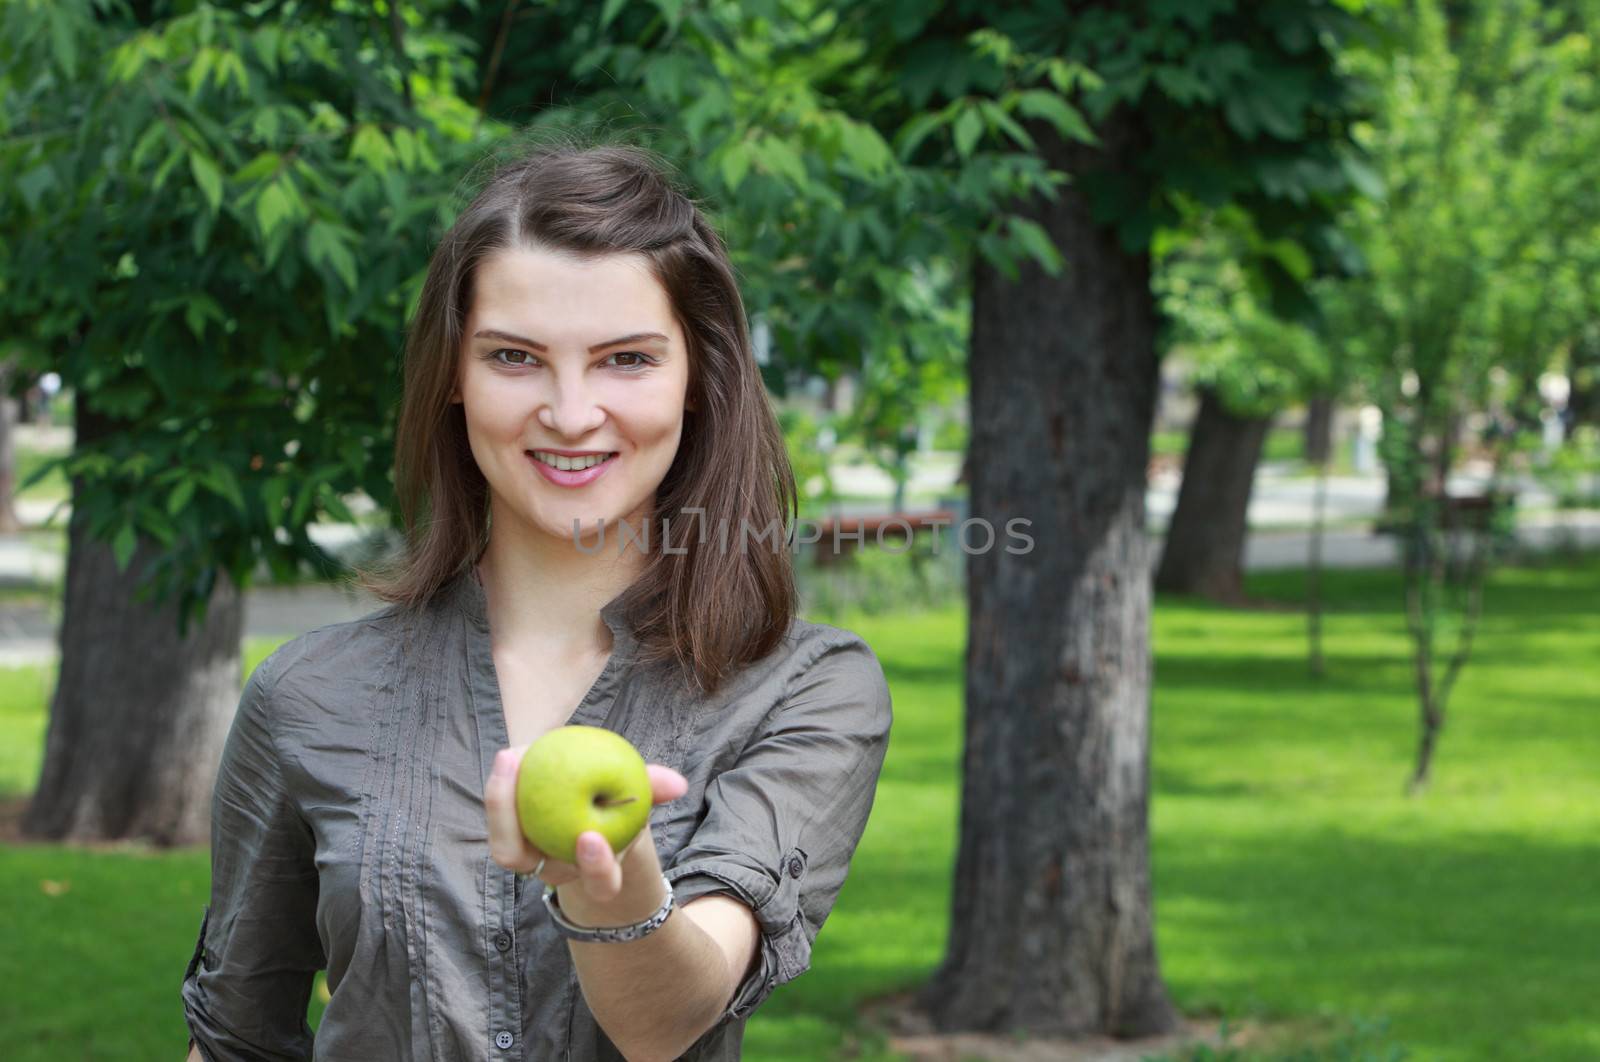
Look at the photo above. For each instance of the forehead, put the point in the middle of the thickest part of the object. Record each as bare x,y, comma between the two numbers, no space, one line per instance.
526,282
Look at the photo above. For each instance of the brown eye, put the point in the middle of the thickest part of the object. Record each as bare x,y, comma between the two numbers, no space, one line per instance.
643,361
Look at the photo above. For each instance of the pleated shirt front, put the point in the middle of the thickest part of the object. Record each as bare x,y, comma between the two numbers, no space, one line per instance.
348,835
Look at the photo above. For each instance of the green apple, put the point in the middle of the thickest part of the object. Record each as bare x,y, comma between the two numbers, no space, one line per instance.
579,778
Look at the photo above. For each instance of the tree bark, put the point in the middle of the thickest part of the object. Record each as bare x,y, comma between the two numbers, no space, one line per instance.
139,715
1052,919
1584,400
9,409
1319,430
1204,552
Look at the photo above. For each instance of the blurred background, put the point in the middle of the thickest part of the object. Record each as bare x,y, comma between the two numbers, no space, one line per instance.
1278,321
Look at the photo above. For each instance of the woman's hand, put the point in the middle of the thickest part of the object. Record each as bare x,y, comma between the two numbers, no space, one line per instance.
598,873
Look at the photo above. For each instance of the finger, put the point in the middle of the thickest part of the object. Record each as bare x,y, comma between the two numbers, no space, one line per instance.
507,845
666,784
598,866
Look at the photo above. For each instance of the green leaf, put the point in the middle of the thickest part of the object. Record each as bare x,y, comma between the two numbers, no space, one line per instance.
230,67
610,11
272,208
405,147
163,171
780,157
200,69
199,308
204,223
1294,258
35,183
123,545
370,146
208,177
672,9
180,496
326,246
1007,124
223,483
156,525
864,147
266,39
735,164
915,131
302,501
63,38
261,166
1036,241
969,127
1362,177
274,492
267,123
335,505
1050,107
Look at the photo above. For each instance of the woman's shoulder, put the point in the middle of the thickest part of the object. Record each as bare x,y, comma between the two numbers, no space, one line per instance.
808,638
321,661
812,651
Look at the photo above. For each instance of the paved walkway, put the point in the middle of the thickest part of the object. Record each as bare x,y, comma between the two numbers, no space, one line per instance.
28,632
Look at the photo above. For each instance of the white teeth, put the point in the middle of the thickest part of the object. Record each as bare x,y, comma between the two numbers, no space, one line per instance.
570,464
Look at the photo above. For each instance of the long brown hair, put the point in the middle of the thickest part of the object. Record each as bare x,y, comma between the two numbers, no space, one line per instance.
710,608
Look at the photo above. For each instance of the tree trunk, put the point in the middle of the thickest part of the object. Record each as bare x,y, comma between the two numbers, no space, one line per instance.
1319,430
9,408
1204,552
1319,513
1052,928
1583,402
139,716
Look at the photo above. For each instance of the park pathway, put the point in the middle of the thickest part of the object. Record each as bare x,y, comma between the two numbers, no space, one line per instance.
1280,510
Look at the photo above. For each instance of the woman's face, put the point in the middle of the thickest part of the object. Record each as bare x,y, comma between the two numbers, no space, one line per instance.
564,354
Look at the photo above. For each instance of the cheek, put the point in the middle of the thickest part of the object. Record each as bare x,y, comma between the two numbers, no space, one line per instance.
654,419
491,414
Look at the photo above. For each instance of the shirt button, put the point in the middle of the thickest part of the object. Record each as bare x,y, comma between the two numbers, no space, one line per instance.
795,866
502,1040
502,941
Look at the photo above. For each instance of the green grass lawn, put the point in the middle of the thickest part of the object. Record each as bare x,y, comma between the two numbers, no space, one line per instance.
1293,879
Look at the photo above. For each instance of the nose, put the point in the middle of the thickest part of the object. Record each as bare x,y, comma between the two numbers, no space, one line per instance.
568,409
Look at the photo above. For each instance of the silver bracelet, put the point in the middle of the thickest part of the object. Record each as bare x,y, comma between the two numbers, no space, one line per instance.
607,934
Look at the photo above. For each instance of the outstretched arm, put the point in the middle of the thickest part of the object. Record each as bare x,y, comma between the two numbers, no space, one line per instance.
653,997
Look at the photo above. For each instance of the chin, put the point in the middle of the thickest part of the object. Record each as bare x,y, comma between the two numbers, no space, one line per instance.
589,528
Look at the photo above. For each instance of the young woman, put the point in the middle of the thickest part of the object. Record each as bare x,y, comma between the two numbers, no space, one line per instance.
579,358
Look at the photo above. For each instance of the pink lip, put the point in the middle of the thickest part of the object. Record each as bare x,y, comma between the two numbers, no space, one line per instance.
579,478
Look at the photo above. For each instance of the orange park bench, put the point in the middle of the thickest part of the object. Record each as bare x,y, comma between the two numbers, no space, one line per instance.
839,536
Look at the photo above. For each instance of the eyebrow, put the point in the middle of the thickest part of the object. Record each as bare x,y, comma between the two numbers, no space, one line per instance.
494,333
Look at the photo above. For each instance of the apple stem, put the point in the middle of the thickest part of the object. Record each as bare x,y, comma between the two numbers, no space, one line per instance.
603,802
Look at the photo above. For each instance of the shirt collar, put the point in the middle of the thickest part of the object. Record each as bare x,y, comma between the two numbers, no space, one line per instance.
470,598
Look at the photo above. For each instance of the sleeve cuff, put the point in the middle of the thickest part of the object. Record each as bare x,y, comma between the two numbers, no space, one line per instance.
784,947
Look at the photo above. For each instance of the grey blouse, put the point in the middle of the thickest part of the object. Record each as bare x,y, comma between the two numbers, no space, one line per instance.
348,834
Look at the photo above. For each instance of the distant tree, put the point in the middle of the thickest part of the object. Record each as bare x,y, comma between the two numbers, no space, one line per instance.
214,219
1487,127
1247,362
10,408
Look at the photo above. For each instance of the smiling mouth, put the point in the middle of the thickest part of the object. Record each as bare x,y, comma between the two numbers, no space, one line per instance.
570,464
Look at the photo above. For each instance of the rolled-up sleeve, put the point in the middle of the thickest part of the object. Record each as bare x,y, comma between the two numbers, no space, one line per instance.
249,981
782,823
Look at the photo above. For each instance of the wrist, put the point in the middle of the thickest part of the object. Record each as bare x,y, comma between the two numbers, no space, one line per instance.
641,894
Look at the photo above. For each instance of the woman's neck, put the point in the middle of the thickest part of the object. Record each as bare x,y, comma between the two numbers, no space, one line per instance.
543,602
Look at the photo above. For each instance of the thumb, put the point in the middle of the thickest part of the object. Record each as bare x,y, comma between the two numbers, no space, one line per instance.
666,784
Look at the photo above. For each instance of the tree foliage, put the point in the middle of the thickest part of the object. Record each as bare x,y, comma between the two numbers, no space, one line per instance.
215,218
